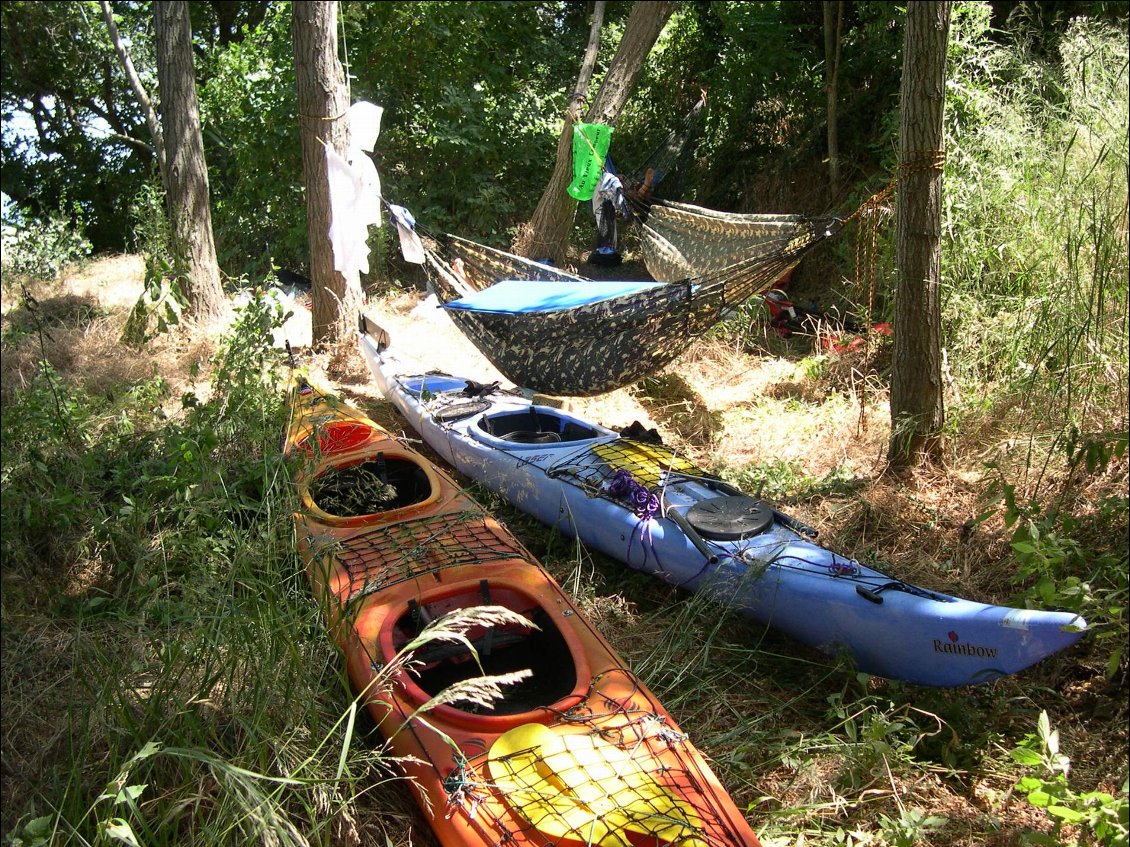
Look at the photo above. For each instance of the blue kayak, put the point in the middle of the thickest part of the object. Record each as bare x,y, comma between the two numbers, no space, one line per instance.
645,505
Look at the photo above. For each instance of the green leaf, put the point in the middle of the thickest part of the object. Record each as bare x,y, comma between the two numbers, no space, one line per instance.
1114,663
1044,725
130,793
119,829
1024,756
1066,814
1042,839
40,826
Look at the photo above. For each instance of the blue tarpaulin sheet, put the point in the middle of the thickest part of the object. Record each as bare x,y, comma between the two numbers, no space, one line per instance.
525,296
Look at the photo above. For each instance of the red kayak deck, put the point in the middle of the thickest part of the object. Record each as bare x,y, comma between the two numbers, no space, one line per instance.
576,752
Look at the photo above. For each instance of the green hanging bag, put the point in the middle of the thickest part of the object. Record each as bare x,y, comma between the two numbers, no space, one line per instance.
590,146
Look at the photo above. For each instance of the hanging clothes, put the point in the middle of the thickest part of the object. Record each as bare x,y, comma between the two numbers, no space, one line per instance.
355,191
411,248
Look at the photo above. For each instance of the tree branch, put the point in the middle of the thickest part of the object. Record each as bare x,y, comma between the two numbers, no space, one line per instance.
587,64
135,84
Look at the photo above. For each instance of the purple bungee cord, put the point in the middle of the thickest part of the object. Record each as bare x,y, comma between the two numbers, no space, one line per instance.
645,504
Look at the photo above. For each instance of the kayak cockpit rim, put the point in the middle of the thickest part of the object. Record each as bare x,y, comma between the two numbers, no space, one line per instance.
534,426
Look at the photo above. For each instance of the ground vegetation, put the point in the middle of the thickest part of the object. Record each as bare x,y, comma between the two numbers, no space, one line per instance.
165,677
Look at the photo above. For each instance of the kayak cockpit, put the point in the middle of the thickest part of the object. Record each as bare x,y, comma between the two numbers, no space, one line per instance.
543,649
535,425
350,492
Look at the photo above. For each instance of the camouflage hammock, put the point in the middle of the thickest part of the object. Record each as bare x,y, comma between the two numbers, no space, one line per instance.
680,240
561,334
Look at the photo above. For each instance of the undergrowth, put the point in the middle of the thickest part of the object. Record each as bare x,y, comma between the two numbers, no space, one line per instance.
166,679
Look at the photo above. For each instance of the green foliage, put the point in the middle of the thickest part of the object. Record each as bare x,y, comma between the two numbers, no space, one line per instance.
474,108
1101,816
876,734
41,250
762,65
781,481
163,298
254,150
473,97
1074,562
194,630
910,828
68,110
1035,241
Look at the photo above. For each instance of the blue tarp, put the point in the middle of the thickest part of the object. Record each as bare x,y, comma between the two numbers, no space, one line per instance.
525,296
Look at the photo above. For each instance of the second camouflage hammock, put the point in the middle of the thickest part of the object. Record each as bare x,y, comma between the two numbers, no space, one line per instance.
559,333
680,240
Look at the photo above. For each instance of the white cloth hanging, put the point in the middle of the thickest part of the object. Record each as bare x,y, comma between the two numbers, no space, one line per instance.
411,248
364,125
355,191
350,214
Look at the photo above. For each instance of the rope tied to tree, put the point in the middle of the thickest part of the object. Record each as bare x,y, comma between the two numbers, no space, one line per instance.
324,118
870,213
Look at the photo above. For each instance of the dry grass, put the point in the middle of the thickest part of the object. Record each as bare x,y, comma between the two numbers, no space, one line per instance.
728,404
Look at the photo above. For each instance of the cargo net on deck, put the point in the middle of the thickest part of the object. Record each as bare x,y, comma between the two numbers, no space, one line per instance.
603,773
387,555
647,464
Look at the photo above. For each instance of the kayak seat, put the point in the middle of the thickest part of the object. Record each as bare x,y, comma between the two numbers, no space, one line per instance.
529,436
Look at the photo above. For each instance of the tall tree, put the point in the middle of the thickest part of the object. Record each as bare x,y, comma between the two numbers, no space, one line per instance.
547,234
917,407
323,104
187,196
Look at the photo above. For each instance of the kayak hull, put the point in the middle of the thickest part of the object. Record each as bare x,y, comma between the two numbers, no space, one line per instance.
743,553
574,749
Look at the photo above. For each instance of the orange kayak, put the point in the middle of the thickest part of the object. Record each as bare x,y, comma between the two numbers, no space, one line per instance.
514,719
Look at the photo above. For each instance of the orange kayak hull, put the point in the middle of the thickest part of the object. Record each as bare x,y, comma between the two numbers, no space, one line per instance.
576,752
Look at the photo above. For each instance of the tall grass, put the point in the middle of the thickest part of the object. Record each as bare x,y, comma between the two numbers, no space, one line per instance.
1035,251
166,677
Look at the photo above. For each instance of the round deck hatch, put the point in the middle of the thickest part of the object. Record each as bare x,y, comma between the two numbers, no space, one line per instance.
730,518
462,409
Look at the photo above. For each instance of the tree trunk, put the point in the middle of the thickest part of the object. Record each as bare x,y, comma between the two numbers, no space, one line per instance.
547,234
186,172
323,103
833,25
917,408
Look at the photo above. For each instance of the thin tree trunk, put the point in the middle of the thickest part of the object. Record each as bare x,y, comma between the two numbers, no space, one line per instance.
640,34
323,103
833,26
555,217
186,172
547,234
139,91
917,408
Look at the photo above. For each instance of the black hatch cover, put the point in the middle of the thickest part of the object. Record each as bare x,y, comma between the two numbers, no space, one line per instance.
730,518
460,410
